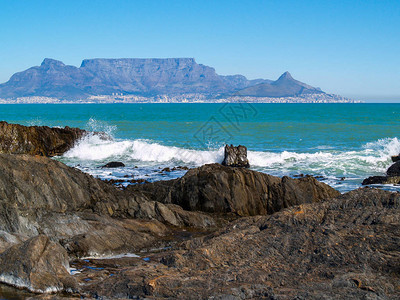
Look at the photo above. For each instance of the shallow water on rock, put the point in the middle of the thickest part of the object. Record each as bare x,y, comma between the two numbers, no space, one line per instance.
10,293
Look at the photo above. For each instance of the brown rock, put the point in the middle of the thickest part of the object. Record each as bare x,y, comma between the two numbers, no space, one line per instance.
38,265
8,239
236,156
31,187
37,140
344,248
41,195
219,189
108,236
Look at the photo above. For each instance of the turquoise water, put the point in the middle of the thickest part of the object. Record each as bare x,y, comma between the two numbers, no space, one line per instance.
330,140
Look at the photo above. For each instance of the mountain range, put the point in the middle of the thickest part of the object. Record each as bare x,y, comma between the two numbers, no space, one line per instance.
142,77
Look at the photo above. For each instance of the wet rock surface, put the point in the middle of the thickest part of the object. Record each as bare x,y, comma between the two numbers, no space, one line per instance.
220,189
236,156
394,170
381,180
392,175
37,140
10,292
38,265
114,164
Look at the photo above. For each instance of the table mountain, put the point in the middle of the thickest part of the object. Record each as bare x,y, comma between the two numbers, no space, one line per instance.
129,76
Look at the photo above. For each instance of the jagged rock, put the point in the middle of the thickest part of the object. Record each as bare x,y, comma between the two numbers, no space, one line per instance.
394,170
344,248
236,156
37,140
381,180
108,236
41,195
38,265
31,187
173,215
7,240
220,189
114,164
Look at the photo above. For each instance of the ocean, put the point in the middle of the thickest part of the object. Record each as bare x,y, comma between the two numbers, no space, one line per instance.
340,143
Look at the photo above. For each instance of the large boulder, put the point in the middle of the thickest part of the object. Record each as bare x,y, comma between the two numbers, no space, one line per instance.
37,140
220,189
236,156
38,265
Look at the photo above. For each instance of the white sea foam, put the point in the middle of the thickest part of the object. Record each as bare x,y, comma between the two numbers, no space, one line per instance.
94,125
95,148
373,158
99,256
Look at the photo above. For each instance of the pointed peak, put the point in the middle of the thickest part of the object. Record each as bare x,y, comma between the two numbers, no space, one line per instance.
285,75
52,62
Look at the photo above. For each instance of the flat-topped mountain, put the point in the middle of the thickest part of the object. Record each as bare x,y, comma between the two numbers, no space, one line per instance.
155,76
129,76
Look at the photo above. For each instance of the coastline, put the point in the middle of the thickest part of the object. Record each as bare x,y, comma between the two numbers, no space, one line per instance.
185,98
214,227
328,141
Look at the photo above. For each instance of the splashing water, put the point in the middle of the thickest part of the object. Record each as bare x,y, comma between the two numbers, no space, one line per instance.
327,140
370,159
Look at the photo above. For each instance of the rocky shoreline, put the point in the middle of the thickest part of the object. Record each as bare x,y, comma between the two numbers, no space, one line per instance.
392,174
218,232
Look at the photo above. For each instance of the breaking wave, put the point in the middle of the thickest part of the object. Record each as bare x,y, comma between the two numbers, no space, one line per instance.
93,147
373,157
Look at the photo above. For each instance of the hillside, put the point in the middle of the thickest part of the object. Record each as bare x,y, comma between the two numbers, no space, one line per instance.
285,86
129,76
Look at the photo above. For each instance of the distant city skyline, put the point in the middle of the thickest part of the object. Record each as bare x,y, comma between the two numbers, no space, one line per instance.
348,48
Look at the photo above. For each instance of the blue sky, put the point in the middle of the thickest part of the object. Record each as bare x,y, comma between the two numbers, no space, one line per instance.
350,48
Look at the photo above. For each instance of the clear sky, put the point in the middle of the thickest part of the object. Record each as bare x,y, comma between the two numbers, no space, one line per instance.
351,48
